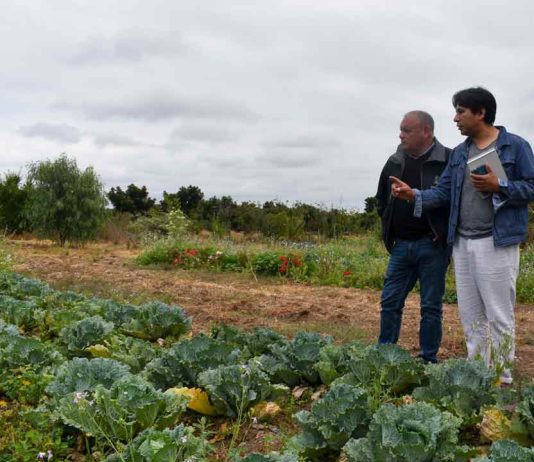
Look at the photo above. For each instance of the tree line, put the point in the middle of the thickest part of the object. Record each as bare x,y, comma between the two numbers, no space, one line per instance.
224,214
59,201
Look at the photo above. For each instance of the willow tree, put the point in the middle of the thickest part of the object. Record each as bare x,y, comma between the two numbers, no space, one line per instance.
65,203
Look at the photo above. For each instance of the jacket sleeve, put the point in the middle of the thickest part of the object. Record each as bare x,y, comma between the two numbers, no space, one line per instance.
521,190
382,193
439,195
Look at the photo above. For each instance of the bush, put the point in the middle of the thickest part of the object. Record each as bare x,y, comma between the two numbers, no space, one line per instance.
65,203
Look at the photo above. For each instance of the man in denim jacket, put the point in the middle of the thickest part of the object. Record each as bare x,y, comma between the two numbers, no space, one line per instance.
487,222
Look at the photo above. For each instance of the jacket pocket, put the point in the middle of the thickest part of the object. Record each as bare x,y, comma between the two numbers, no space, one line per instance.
508,163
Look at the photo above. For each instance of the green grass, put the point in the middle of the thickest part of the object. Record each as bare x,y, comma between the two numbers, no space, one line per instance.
357,261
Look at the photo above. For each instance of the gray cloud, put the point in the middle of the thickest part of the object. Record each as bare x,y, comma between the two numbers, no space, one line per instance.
291,158
204,131
303,141
161,107
111,139
55,132
128,46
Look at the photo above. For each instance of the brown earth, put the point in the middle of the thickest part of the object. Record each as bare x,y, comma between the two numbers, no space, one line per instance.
239,299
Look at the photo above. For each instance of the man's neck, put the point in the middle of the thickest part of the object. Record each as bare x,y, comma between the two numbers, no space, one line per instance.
487,135
423,151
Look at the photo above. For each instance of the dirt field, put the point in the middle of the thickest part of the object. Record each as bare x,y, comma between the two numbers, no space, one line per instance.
108,270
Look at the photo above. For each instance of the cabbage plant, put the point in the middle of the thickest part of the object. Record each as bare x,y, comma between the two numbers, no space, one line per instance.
416,432
168,445
342,413
507,451
181,364
155,320
234,389
384,371
459,386
129,406
83,375
81,334
294,362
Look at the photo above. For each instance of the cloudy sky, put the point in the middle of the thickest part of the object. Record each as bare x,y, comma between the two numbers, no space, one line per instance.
260,100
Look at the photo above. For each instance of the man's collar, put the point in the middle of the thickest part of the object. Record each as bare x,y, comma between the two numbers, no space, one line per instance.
423,153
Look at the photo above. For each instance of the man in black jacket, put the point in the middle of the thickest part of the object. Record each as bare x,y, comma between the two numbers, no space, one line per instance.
417,246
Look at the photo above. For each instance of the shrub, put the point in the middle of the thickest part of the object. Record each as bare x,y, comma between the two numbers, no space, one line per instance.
65,204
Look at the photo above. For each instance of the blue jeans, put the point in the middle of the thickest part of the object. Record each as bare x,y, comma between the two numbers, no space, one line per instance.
427,261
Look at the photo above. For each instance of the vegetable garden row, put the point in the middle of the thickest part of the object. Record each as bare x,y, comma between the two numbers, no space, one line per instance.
91,379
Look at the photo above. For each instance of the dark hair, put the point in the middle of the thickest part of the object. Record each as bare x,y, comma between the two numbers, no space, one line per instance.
476,99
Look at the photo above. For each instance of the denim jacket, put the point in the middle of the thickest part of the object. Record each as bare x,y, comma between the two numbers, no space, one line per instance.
510,222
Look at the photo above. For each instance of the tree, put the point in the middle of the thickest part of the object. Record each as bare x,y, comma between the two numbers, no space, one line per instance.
13,199
189,199
370,204
65,203
134,200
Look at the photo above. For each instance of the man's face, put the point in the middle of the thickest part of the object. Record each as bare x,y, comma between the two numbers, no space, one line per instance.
413,135
467,121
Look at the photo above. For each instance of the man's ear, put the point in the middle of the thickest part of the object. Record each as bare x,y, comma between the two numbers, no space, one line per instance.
481,114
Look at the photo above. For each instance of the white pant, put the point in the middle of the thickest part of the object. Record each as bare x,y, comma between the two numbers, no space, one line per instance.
485,282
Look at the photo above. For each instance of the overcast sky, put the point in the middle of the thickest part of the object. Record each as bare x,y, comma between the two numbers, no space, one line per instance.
260,100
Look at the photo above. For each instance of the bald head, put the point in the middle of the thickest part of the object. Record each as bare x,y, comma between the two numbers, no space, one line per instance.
416,132
424,118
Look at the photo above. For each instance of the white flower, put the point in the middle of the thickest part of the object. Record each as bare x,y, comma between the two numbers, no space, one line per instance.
49,454
183,439
78,396
41,455
254,420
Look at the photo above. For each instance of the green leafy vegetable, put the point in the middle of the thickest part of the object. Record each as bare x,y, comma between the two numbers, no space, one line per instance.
23,313
182,363
294,362
334,359
459,386
257,342
128,407
82,375
176,445
234,389
83,333
384,371
155,320
507,451
416,432
342,413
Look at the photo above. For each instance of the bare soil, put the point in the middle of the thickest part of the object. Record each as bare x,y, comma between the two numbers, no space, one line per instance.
104,270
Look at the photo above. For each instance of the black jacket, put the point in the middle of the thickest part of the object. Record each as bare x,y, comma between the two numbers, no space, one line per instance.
430,173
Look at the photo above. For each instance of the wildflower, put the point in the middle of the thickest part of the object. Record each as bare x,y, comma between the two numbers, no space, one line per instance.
160,342
177,261
183,439
296,261
50,455
191,252
78,396
254,420
285,262
41,455
347,273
